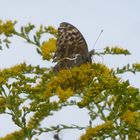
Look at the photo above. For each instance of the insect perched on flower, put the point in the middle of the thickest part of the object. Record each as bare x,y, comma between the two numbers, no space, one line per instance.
72,49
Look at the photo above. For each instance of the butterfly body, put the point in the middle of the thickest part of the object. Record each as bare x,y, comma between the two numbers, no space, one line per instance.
72,49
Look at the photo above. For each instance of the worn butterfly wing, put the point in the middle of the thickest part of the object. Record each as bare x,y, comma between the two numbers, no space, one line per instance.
72,48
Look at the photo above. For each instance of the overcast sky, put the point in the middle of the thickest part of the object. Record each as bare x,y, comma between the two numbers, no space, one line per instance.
120,20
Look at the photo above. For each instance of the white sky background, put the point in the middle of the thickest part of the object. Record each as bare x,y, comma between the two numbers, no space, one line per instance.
120,20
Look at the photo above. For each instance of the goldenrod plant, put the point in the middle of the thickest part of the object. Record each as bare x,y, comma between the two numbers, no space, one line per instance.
93,87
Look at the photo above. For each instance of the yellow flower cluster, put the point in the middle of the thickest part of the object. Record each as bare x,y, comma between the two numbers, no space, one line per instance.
52,30
79,80
15,70
64,94
2,80
48,48
130,117
42,110
92,132
14,136
136,66
116,50
6,28
2,104
102,80
69,81
91,94
11,72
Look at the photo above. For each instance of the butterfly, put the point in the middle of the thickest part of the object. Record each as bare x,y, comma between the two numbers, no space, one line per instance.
72,49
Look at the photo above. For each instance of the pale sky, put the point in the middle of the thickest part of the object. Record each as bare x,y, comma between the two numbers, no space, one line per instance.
120,20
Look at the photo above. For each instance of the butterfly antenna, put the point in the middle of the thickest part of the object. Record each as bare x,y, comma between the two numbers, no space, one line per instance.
98,38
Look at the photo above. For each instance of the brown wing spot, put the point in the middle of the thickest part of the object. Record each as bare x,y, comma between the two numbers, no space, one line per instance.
72,38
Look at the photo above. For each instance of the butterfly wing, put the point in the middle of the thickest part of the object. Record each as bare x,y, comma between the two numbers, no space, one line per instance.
70,43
